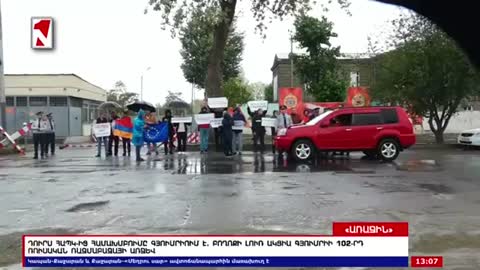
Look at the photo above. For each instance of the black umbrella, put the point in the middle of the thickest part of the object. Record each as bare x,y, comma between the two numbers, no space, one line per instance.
137,105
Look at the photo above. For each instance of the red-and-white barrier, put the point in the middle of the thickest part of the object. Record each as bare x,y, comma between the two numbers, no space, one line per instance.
193,138
10,139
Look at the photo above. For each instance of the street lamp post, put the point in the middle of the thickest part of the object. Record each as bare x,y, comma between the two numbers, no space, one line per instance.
3,105
141,83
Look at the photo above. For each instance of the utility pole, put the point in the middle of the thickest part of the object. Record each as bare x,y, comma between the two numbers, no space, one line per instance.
192,97
291,59
3,105
141,82
141,87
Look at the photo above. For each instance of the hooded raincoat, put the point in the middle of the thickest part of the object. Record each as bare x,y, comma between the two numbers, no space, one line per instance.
138,127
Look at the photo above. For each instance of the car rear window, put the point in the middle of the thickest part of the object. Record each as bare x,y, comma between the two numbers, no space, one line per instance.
389,116
362,119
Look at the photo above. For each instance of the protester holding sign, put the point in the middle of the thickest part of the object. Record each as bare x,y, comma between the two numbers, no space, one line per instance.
204,129
181,129
238,132
258,129
102,120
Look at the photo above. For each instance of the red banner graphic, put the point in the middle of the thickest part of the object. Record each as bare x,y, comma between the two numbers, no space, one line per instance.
292,98
358,97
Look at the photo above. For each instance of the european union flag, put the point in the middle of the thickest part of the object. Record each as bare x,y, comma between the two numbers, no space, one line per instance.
156,133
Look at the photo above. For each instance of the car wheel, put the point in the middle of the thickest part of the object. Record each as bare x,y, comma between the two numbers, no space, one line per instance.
303,150
388,149
372,154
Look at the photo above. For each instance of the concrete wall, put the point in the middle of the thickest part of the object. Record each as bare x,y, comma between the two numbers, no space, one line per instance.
461,121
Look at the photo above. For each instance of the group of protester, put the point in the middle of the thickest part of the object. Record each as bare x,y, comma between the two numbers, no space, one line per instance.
232,139
43,130
227,135
111,143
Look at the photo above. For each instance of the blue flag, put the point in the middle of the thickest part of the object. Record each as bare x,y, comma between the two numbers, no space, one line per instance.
156,133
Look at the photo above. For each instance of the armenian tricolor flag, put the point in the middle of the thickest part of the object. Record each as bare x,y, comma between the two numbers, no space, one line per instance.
123,128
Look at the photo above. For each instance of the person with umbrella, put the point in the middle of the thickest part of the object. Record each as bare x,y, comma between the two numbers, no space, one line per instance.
138,127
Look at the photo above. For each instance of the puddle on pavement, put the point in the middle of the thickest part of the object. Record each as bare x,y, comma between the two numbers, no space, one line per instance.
437,188
123,192
68,171
424,165
389,187
11,244
90,206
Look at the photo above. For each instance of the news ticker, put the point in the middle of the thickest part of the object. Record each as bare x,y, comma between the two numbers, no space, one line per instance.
359,244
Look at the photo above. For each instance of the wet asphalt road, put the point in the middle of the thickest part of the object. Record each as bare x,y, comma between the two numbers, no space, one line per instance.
436,190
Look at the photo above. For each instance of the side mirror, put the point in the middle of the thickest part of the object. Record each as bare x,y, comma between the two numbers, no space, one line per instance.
323,125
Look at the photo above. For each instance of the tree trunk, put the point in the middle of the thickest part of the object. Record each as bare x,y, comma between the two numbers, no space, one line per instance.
214,82
438,130
438,136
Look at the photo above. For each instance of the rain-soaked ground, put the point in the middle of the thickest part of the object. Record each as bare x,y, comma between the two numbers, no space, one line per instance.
436,190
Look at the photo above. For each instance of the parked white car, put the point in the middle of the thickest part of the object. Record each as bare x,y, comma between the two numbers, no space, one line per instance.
469,137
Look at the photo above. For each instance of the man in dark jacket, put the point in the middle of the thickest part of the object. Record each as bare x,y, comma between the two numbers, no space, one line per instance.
50,135
258,129
181,130
168,145
227,124
113,139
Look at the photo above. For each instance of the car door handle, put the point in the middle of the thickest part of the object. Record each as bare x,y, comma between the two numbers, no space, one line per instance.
379,128
348,129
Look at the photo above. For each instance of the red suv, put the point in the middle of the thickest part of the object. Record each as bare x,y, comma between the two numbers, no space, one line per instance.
380,132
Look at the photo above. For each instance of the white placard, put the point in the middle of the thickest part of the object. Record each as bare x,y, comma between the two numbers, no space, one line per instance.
215,123
269,122
182,119
258,104
205,118
220,102
238,125
102,130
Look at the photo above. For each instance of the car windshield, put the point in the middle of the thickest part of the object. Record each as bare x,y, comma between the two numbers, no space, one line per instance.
319,118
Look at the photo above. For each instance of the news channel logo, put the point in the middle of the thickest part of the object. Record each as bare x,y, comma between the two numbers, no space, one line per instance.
42,33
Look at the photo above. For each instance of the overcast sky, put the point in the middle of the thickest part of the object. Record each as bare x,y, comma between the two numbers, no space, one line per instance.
108,40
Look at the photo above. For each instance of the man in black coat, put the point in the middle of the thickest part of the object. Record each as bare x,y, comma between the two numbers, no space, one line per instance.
257,129
227,133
